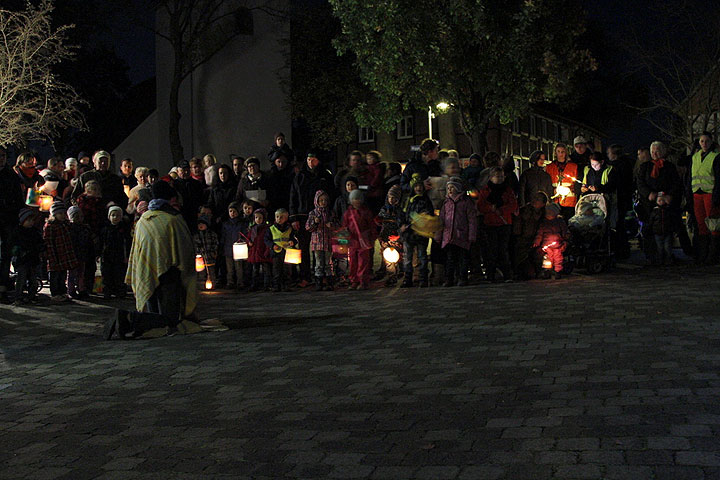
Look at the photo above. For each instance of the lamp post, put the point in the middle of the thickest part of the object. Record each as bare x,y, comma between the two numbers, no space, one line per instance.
441,107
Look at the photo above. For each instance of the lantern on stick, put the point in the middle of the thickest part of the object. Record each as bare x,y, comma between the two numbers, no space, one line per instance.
199,263
293,256
208,284
391,255
45,202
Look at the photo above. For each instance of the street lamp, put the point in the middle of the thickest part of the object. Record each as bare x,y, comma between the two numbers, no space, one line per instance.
441,107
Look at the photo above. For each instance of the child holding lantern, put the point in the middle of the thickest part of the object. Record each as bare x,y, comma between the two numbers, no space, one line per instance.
278,238
390,218
320,223
552,238
234,229
259,255
206,245
359,221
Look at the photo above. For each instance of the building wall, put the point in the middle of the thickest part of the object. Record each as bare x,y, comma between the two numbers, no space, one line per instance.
233,104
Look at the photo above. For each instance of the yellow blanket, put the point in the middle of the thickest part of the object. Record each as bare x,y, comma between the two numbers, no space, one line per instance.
162,240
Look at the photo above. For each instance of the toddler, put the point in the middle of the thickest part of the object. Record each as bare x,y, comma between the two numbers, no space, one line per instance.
60,252
278,238
459,217
80,279
115,251
552,238
320,223
360,223
234,229
259,255
663,223
390,218
419,202
206,245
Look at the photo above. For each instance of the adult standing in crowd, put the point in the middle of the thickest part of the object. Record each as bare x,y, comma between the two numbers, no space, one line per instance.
54,176
281,179
238,166
535,179
253,184
623,167
140,192
11,201
429,152
705,184
197,171
564,176
190,192
84,163
354,167
281,145
110,184
655,176
222,194
161,270
581,153
308,181
127,174
26,169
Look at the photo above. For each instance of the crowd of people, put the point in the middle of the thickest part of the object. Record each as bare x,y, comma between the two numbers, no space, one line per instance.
434,221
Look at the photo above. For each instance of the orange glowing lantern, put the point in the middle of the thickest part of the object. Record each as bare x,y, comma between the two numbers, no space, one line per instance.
293,256
199,263
391,255
45,202
208,284
546,263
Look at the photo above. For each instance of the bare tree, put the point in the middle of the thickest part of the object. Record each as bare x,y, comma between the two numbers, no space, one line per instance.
34,105
197,30
677,55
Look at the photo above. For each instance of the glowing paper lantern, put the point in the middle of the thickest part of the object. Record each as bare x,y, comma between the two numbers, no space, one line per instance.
563,191
208,284
293,256
240,251
391,255
45,202
546,264
199,263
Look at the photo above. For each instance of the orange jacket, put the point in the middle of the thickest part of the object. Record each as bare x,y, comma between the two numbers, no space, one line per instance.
561,176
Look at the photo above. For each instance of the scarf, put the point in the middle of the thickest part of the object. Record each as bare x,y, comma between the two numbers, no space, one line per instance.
158,204
657,165
496,194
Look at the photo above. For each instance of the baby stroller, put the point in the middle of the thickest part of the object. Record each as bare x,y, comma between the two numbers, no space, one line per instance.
590,234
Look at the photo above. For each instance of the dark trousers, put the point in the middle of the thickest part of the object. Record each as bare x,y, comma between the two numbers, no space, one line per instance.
5,256
57,283
303,237
496,245
89,275
165,308
113,277
278,270
456,264
664,244
261,275
410,246
26,274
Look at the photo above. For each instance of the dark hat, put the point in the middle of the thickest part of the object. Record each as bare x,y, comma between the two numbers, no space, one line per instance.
250,160
82,155
162,190
58,206
235,205
455,182
184,164
395,192
277,153
204,219
25,213
352,178
261,211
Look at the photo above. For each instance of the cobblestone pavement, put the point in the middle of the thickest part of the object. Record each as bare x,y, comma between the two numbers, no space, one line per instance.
613,376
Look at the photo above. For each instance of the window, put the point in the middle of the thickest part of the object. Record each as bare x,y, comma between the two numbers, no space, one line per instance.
544,131
366,135
405,128
533,127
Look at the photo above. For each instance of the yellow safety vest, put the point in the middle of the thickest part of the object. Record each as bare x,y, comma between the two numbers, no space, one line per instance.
603,178
703,177
281,239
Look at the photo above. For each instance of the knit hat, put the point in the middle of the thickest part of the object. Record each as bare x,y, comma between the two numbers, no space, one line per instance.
236,206
455,182
70,162
101,154
75,213
414,180
357,195
183,164
579,139
113,208
82,155
250,160
395,192
352,178
25,213
204,219
261,211
58,206
141,207
553,207
476,156
163,190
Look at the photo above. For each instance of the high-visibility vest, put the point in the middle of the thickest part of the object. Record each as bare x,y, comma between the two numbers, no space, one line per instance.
603,178
280,238
703,177
564,178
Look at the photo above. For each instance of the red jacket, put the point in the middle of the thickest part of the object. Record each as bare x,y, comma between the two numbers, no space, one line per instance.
375,178
59,248
493,217
361,225
259,251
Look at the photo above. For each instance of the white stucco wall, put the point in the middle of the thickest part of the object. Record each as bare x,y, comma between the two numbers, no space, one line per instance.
233,104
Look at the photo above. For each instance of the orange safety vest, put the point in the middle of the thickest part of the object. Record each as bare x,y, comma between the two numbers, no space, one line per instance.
563,178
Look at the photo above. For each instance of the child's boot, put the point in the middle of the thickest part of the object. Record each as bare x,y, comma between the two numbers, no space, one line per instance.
407,282
329,284
319,284
424,281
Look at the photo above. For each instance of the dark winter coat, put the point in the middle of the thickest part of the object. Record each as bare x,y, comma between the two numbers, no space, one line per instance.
220,197
526,225
534,180
82,238
26,246
11,197
111,186
246,184
668,181
459,217
280,184
116,243
664,220
306,183
416,165
416,204
191,191
232,228
390,219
